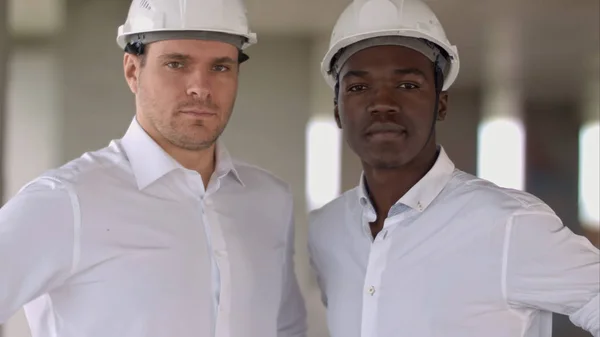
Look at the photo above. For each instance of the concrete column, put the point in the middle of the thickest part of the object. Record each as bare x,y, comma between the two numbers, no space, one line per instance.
4,45
322,107
501,136
591,99
320,97
502,68
321,110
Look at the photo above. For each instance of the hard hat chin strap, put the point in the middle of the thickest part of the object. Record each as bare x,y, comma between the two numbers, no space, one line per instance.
135,48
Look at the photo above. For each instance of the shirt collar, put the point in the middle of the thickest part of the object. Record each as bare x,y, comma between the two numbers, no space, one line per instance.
420,196
150,162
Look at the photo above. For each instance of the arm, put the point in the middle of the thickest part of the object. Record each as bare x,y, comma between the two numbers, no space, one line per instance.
291,321
36,245
547,267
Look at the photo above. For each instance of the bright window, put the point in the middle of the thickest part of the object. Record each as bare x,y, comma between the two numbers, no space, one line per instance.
589,171
501,152
323,161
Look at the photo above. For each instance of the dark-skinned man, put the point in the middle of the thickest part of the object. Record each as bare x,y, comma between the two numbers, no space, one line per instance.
420,248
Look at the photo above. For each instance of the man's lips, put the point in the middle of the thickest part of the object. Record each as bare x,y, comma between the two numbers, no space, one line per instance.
199,113
385,128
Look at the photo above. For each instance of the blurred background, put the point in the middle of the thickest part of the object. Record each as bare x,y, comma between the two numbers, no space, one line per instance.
524,111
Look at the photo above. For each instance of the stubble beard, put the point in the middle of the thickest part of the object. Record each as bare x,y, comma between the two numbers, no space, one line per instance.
176,131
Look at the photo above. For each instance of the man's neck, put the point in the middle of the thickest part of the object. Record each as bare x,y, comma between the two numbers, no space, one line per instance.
387,186
202,161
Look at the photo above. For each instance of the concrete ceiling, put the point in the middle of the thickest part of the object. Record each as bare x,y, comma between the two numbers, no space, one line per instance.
558,38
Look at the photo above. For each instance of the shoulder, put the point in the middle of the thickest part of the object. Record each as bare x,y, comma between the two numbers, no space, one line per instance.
91,169
483,194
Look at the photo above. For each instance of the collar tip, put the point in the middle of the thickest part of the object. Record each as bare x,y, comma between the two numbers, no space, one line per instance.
237,177
142,185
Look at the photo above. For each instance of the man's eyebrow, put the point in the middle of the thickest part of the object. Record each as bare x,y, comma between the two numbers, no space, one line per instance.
355,73
225,59
186,58
174,57
410,71
400,71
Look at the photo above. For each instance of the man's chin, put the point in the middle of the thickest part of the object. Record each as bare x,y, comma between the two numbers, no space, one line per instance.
389,158
196,146
387,164
194,142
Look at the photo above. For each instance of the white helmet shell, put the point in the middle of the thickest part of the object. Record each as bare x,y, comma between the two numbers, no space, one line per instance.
364,19
221,16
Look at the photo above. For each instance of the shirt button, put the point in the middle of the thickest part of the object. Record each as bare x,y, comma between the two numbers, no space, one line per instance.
371,290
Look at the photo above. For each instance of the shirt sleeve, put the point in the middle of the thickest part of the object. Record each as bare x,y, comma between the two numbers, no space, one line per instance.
36,244
548,267
291,321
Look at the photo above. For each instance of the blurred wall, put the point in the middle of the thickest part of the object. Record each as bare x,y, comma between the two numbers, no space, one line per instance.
32,126
82,102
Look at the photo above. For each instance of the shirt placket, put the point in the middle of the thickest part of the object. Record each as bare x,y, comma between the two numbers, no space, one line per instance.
221,258
372,291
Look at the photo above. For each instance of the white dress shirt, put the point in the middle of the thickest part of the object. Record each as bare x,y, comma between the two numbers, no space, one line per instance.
457,257
125,242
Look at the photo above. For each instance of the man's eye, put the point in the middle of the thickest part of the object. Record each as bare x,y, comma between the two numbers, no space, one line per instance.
408,86
221,68
175,65
358,87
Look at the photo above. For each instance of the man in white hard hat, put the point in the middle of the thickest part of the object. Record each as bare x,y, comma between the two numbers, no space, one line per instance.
420,248
162,233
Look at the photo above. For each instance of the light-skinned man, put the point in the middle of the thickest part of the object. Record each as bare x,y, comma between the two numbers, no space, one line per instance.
161,233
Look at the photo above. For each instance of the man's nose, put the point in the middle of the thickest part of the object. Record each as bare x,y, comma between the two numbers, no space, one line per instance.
199,85
383,102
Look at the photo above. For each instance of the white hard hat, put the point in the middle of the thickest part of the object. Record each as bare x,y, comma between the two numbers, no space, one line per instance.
170,18
366,19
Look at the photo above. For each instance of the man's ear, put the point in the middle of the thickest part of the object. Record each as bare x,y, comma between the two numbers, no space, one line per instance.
442,106
131,66
336,114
